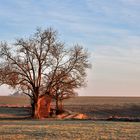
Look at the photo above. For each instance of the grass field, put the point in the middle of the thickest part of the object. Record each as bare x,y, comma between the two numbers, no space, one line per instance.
69,130
15,125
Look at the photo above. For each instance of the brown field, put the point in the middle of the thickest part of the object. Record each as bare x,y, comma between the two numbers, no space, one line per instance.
15,124
13,100
104,107
94,107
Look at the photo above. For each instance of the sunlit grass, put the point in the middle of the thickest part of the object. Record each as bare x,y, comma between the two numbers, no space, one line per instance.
79,130
12,129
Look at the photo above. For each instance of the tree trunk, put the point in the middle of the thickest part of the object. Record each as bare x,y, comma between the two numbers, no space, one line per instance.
61,106
57,107
34,111
34,108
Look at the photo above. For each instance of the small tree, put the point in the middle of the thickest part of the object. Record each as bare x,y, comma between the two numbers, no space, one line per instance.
39,65
64,89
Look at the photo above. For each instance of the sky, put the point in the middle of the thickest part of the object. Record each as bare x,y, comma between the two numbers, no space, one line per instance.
109,29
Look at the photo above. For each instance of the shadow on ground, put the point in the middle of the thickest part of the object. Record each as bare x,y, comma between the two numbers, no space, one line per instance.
96,112
14,113
105,111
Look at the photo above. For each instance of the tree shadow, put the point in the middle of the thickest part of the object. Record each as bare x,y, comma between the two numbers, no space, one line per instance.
14,113
105,111
96,112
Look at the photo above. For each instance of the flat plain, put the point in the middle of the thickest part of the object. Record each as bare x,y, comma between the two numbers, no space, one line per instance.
15,124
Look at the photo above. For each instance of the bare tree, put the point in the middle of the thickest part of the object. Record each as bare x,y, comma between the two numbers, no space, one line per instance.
64,89
43,65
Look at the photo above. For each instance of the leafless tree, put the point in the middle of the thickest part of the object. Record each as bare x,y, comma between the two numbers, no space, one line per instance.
64,89
42,65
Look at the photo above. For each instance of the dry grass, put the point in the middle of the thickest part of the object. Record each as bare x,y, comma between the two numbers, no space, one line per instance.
87,100
12,100
74,130
14,127
90,100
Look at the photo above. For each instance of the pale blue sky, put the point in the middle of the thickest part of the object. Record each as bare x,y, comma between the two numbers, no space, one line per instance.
110,30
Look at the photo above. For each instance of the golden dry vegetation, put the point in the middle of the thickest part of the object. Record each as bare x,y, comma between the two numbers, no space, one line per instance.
66,130
15,124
